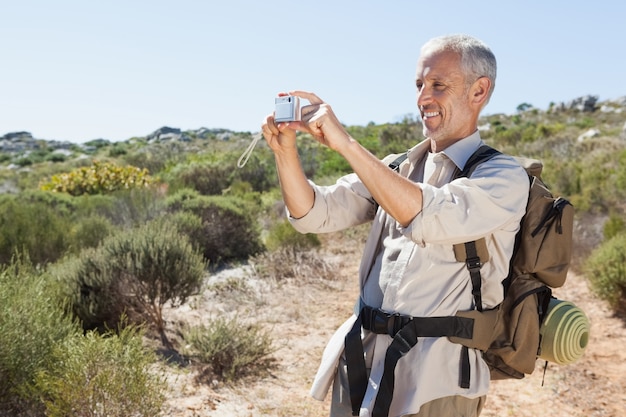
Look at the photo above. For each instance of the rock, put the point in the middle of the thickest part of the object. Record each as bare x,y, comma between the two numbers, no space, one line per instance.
584,104
591,133
164,133
17,136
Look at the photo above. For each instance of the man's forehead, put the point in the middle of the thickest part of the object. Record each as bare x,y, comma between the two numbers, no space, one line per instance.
439,64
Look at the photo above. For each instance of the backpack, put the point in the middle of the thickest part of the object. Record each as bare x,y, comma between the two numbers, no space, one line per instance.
510,335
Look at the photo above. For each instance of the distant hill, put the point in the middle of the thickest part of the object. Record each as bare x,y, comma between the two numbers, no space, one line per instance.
20,142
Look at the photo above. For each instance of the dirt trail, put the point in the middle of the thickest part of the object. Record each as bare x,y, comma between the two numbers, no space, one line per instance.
302,319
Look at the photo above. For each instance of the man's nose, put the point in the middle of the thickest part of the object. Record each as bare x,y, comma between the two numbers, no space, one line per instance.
424,96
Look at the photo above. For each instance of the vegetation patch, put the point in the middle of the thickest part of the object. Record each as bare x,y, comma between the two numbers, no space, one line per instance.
231,349
606,271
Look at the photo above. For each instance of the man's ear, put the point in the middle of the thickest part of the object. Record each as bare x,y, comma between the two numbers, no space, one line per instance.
480,90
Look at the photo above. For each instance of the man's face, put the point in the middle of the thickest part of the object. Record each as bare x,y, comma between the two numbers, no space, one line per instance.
443,98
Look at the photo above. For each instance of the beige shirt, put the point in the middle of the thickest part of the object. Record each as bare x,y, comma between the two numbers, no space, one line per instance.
412,270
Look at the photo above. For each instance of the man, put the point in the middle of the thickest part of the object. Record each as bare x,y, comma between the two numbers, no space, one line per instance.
409,273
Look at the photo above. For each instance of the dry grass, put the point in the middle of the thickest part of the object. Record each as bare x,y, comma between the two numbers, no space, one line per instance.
302,315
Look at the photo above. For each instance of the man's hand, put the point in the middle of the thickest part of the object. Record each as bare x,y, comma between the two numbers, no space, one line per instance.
319,120
297,192
279,136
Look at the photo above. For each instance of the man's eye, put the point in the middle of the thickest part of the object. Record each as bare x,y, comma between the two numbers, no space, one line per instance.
419,85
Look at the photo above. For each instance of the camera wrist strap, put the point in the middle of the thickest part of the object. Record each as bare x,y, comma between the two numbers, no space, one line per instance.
243,159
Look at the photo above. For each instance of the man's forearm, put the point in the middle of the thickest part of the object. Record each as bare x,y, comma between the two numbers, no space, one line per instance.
398,196
297,192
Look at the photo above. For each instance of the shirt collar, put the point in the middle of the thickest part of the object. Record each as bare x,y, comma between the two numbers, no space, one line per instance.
460,151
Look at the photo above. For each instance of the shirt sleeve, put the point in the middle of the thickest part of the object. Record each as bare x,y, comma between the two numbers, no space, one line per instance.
337,207
346,203
466,209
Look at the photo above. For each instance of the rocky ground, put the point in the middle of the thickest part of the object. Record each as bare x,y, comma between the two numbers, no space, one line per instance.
302,317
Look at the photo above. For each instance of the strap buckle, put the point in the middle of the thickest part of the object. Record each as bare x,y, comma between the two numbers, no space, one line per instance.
385,323
396,322
473,264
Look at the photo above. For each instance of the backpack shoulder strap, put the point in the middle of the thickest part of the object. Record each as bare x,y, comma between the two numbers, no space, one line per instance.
395,165
482,154
473,259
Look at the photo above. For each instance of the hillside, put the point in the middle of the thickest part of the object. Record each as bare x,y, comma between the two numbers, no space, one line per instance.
308,292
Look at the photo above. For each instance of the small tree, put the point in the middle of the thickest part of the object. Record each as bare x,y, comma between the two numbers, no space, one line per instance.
157,265
137,272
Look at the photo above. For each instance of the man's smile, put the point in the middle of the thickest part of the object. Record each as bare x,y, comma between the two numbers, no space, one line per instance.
429,114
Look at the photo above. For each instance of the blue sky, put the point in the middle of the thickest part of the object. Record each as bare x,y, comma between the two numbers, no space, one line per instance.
81,70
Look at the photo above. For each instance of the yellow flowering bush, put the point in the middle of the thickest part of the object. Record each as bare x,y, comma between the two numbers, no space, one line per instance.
99,178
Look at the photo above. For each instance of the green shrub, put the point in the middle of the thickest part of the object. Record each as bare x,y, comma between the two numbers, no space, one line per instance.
212,174
134,272
398,137
522,132
137,206
599,179
127,208
99,178
155,156
585,122
94,205
283,235
160,266
62,204
330,163
32,227
259,171
614,226
205,177
232,349
25,161
229,225
102,375
189,225
32,322
93,287
56,157
117,149
606,270
564,176
89,232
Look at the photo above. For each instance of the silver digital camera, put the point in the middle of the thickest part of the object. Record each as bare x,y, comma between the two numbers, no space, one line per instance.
287,109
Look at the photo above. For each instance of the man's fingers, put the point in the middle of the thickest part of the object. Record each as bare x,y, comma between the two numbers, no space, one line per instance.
313,99
309,111
269,126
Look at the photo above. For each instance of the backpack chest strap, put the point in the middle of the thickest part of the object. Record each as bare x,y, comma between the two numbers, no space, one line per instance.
381,322
405,331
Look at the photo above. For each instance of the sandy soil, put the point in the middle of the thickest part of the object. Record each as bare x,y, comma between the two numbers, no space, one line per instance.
302,318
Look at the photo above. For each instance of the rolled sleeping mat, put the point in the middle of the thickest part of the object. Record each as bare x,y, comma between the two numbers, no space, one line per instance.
564,333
